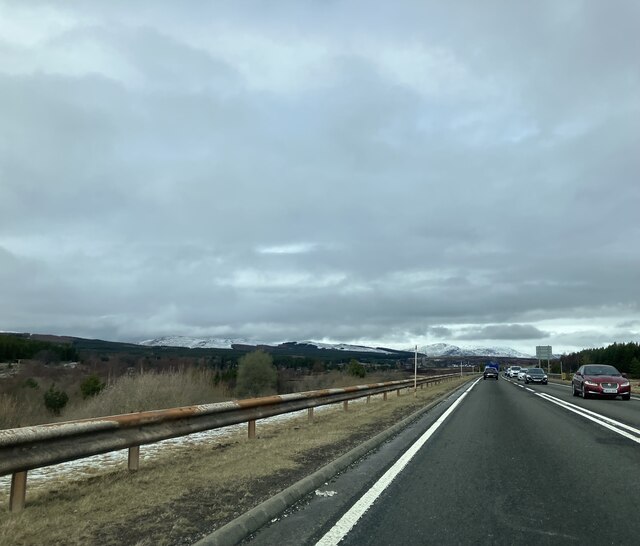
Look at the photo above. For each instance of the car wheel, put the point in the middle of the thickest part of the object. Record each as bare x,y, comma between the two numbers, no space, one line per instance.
484,377
496,377
575,391
626,396
584,392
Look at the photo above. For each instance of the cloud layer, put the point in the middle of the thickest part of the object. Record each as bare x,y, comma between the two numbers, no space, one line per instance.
407,174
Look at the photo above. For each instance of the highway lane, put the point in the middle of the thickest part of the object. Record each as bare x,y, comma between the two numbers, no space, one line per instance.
509,467
625,411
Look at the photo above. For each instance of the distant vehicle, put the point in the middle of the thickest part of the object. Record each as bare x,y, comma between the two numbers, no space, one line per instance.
522,373
513,371
600,380
507,371
490,371
535,375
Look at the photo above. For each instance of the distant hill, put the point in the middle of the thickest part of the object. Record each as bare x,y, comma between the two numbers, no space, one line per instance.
434,350
444,349
196,342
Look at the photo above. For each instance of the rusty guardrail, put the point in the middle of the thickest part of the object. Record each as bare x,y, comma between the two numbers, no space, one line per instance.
26,448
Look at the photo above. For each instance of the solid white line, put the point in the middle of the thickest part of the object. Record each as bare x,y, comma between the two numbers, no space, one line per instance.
530,390
594,414
570,386
600,420
351,517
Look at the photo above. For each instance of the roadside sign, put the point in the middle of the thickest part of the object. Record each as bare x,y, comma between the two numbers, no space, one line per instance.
543,352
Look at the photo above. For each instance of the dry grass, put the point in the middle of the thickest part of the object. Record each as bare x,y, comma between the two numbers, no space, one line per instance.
9,410
336,379
149,391
127,394
187,492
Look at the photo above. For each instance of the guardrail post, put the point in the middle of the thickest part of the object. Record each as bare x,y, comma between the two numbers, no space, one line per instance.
345,405
252,429
134,457
310,414
398,392
18,491
384,396
368,398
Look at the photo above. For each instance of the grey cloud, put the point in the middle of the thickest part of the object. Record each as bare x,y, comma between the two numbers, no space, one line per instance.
628,324
502,331
441,332
497,193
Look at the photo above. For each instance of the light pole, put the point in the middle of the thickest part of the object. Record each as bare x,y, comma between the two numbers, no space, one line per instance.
415,374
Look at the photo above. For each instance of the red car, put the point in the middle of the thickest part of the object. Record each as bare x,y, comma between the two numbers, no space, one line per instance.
600,380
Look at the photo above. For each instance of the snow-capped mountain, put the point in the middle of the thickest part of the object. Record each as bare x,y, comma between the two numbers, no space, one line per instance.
434,350
195,342
344,347
220,343
444,349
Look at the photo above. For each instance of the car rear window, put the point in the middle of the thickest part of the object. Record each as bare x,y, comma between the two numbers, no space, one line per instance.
600,370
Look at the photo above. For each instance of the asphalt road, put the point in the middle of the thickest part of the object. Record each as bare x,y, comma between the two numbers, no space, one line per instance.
508,465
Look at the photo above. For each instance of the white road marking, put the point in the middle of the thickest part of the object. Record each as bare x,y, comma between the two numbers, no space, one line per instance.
607,422
570,386
530,390
351,517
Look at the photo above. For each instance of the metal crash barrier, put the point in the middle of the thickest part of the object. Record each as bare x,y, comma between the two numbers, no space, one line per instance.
26,448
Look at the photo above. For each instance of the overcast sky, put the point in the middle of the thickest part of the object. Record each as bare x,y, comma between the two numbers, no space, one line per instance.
390,173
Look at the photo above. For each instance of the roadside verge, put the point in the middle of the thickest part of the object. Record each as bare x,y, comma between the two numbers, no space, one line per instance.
238,529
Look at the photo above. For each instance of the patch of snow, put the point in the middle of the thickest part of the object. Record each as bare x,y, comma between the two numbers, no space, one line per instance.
194,342
344,347
325,493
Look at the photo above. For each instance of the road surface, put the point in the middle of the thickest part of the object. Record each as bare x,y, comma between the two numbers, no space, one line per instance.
502,464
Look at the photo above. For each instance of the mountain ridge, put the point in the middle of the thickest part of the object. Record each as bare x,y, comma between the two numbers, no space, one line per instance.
433,350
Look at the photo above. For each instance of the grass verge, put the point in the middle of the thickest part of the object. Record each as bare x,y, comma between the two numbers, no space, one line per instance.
188,492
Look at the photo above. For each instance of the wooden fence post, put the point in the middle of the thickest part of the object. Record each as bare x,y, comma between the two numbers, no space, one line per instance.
134,457
252,429
18,492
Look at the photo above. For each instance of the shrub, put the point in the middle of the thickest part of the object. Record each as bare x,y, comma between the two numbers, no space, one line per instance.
356,369
31,383
256,374
91,386
55,400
